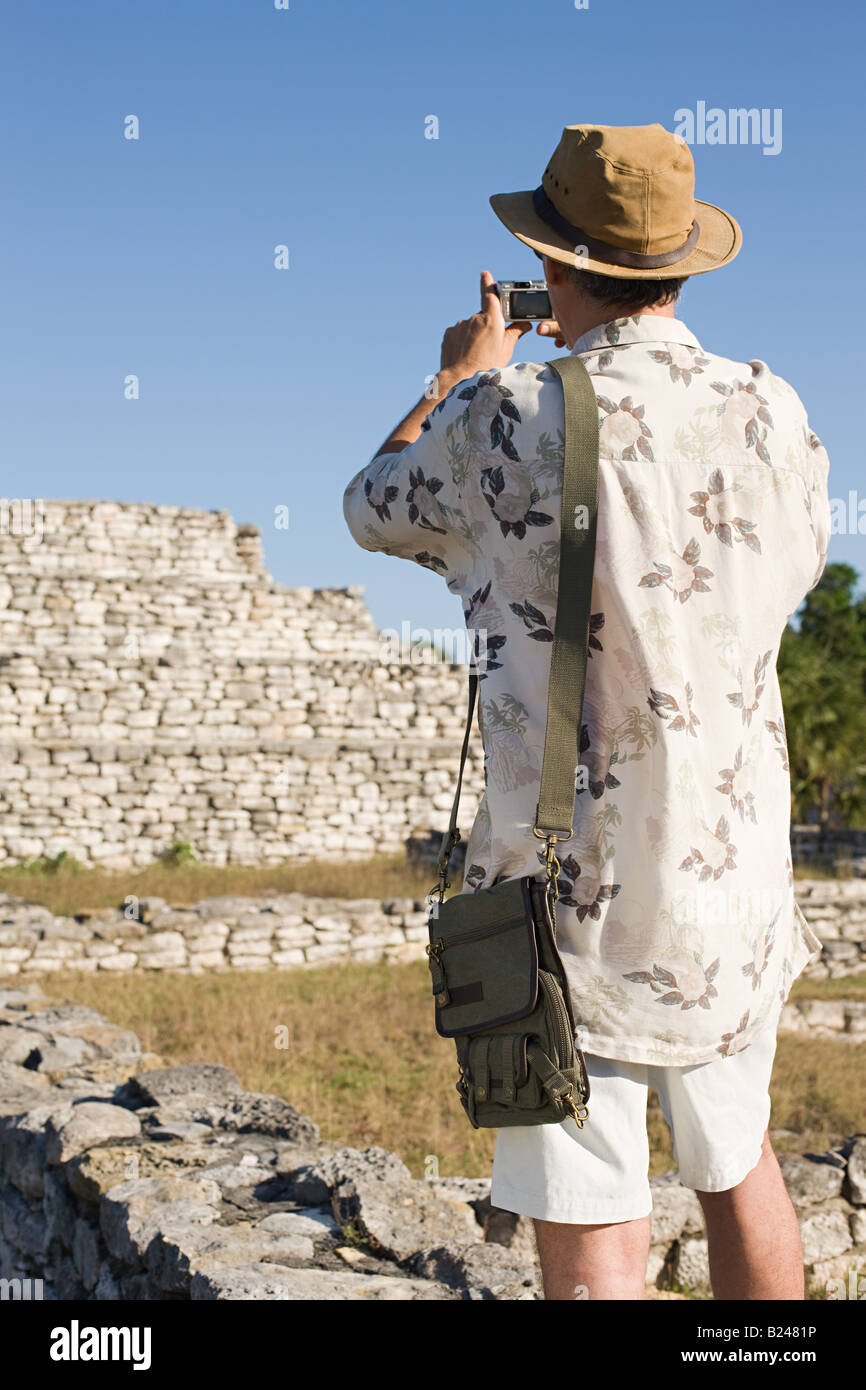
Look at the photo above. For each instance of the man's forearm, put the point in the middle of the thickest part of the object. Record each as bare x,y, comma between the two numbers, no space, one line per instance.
409,428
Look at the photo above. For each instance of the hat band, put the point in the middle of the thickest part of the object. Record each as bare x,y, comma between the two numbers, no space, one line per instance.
602,250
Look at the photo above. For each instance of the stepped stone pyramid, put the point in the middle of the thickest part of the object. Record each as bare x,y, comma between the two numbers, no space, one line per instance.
157,685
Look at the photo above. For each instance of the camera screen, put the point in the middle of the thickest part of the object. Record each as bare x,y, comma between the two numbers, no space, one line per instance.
530,304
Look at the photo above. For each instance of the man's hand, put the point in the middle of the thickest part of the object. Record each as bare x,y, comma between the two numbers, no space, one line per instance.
549,328
472,345
483,341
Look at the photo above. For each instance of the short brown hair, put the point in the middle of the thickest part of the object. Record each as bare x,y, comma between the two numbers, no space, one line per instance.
630,294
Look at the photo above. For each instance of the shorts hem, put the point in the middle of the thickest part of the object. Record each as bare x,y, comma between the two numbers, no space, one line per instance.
593,1212
720,1179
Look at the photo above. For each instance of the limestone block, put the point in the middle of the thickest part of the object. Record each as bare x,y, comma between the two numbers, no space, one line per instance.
255,1282
809,1181
121,960
321,954
287,958
90,1123
209,960
825,1232
857,1172
22,1145
162,960
295,936
481,1272
86,1252
387,936
132,1213
676,1210
693,1264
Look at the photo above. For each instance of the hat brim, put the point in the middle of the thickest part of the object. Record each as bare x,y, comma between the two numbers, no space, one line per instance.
719,241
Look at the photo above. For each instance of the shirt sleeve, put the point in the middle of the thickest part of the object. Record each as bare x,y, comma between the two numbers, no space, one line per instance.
410,504
818,500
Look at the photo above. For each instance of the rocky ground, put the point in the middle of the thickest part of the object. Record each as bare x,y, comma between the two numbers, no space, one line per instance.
127,1179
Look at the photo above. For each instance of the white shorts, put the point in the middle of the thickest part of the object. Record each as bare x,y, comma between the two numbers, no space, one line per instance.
717,1113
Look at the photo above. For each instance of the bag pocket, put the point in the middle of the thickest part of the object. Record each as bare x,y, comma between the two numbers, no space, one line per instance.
495,1069
483,959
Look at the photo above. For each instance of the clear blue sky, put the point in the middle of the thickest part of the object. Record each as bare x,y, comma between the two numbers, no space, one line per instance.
306,127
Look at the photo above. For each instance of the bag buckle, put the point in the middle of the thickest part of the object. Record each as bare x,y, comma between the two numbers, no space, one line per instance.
436,896
437,972
579,1113
553,866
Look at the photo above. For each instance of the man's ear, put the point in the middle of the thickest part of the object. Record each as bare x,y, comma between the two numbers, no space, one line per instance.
555,272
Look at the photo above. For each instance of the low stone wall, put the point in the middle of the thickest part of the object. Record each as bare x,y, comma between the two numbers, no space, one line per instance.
836,911
125,1179
290,929
229,933
826,1018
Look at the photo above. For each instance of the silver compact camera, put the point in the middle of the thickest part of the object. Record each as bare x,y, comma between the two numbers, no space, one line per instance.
524,299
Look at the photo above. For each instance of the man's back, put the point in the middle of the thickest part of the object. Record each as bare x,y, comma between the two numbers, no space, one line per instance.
677,921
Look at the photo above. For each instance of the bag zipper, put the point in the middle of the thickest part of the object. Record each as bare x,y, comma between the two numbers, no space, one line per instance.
566,1036
564,1039
439,944
475,933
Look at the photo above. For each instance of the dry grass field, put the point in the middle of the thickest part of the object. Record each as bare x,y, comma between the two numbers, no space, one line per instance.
66,887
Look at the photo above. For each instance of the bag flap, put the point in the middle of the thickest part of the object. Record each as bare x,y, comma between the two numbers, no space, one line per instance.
485,955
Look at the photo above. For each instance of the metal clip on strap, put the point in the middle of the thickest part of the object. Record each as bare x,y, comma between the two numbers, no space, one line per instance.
557,1086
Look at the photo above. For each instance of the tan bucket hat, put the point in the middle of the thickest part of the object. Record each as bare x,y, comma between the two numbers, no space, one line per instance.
624,197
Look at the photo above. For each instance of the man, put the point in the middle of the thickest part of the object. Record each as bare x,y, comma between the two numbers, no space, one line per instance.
676,917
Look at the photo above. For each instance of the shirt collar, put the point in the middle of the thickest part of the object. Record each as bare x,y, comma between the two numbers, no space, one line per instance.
640,328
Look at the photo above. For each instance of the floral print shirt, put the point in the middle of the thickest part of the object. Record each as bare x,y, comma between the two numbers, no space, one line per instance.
676,917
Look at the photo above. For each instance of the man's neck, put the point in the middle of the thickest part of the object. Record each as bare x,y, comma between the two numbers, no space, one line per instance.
591,315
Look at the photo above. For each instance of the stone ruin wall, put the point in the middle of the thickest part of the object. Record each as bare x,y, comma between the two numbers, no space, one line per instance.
158,686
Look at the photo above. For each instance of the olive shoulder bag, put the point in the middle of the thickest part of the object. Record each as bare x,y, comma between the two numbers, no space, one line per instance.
499,984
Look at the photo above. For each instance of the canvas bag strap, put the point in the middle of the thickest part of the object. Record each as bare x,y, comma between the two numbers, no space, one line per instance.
554,813
452,834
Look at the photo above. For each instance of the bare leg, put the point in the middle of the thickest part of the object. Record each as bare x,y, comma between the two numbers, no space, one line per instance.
608,1261
754,1238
